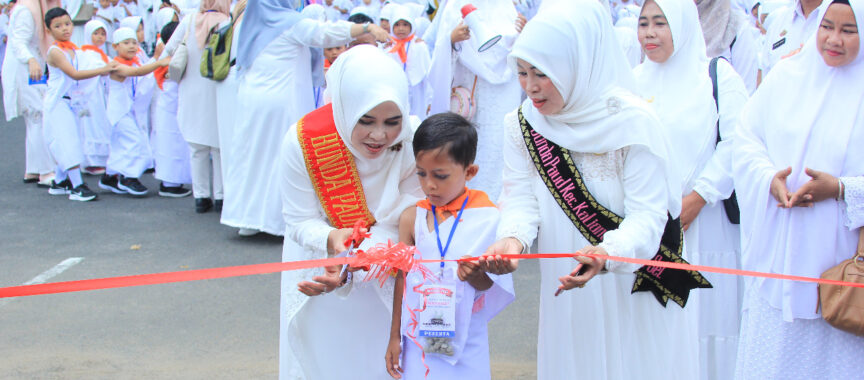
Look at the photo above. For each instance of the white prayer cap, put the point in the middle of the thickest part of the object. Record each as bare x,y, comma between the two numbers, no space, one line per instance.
360,9
131,22
92,26
387,11
164,17
123,34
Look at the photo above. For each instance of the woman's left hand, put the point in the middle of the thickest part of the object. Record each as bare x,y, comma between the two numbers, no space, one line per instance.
691,205
586,270
820,187
323,284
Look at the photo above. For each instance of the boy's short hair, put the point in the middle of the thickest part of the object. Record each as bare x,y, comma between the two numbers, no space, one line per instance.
359,18
450,131
54,13
167,31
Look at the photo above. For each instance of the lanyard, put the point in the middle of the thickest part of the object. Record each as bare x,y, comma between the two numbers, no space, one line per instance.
317,93
405,65
443,250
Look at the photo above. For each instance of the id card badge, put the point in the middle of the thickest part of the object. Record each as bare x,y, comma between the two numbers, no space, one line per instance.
438,319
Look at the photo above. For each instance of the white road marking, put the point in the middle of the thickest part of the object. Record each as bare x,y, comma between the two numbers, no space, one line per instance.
47,275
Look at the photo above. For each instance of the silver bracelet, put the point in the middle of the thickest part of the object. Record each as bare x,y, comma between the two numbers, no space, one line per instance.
840,194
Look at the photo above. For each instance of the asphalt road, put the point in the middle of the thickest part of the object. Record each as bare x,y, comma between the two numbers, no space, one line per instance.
211,329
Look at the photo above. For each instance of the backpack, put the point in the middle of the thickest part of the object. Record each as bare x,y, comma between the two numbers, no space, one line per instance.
730,204
216,59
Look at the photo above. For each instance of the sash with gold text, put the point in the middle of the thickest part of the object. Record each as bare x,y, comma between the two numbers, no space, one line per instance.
331,169
560,175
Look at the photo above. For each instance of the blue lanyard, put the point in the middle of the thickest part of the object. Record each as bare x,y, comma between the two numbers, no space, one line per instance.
443,250
134,84
405,65
316,91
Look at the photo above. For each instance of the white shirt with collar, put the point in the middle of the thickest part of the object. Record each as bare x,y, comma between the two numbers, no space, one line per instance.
788,31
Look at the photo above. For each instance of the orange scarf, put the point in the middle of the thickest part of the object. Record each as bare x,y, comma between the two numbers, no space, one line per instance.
476,199
159,74
327,63
96,49
401,47
66,45
128,62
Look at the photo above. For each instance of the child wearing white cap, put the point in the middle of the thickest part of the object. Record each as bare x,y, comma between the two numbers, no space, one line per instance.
130,89
62,110
413,56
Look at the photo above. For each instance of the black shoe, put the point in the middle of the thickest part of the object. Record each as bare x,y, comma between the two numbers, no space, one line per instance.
82,193
217,205
132,186
173,192
203,205
62,188
110,183
31,180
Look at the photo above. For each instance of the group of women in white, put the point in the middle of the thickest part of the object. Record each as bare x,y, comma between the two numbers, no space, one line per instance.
654,126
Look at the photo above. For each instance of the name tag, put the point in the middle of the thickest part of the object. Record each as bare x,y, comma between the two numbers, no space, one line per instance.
438,320
779,43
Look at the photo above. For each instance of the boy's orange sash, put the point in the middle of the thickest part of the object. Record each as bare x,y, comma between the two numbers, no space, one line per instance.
331,169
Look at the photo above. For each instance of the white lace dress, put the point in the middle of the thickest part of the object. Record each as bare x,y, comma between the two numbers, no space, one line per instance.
601,331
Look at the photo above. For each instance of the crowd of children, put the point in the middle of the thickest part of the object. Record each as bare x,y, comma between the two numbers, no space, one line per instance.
296,136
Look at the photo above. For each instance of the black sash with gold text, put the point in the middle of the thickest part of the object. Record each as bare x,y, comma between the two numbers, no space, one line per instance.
560,175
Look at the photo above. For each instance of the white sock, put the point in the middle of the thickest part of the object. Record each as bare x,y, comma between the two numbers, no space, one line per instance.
75,177
171,184
59,174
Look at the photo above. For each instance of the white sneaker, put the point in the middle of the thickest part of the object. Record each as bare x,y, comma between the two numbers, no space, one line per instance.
247,232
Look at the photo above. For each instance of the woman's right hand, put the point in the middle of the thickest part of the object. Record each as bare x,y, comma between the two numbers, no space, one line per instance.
35,70
336,240
460,33
779,190
492,262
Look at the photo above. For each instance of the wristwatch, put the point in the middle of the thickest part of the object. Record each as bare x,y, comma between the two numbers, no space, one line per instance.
366,28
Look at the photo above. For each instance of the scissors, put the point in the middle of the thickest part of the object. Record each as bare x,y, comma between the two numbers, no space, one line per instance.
356,238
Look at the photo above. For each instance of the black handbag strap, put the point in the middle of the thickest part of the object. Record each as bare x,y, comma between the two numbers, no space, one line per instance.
712,72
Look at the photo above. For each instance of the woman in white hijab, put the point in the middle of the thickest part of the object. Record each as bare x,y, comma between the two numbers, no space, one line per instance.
25,60
675,80
370,113
799,133
579,97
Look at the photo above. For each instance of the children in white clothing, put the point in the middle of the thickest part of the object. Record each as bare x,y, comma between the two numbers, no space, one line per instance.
440,322
129,92
411,52
63,104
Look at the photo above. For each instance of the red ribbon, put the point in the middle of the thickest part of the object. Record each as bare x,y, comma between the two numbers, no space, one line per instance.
246,270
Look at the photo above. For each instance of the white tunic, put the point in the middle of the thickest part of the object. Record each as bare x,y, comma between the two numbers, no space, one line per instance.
170,151
197,95
601,331
95,129
128,108
60,121
226,111
20,98
273,94
474,233
416,66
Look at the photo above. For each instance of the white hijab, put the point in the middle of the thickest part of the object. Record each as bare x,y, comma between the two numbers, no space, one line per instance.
164,17
92,26
362,78
573,43
805,114
679,91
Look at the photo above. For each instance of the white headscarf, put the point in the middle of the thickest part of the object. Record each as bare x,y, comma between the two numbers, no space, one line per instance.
92,26
805,114
573,43
123,34
362,78
679,91
387,11
164,17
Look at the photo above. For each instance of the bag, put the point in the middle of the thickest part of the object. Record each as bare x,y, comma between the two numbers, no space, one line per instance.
462,101
177,66
843,306
730,204
216,59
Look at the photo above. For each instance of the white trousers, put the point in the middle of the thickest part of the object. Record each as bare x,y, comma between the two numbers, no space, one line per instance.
206,165
37,158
